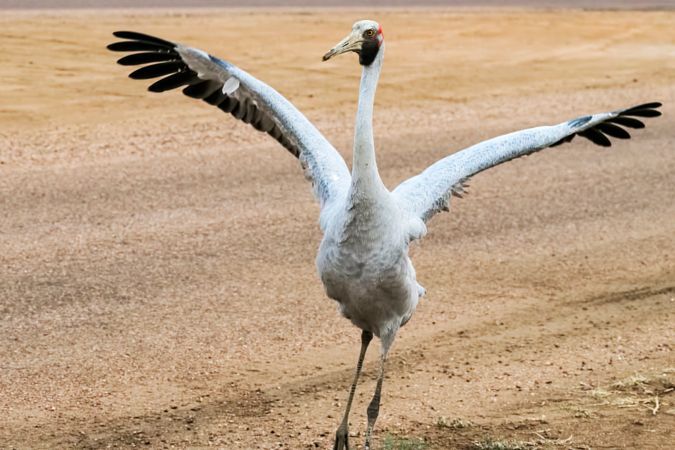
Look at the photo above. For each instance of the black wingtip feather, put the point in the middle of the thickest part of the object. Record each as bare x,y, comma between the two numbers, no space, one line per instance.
643,113
201,90
136,46
644,110
157,70
651,105
627,122
626,118
228,104
613,130
173,81
215,98
159,58
135,36
136,59
597,137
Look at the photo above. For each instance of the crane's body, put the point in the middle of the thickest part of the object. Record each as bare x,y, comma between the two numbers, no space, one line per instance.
364,265
363,258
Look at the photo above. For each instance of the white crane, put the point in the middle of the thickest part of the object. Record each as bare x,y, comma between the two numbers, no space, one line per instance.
363,258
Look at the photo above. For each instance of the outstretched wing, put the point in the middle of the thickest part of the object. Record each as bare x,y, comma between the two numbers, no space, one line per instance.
429,192
234,91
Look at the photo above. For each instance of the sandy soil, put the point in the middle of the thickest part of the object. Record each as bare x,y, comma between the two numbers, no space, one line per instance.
90,4
157,282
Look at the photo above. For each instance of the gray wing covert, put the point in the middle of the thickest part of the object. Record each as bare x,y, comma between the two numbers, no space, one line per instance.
430,192
234,91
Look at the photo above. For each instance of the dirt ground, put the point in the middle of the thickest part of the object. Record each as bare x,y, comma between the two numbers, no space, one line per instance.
157,281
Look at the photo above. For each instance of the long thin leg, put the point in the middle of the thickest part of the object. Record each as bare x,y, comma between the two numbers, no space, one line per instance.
374,406
342,434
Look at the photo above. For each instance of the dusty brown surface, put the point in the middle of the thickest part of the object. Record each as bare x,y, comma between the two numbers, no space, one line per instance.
90,4
157,282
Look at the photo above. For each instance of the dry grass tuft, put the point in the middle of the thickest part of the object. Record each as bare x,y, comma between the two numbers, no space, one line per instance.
403,443
636,391
493,444
454,424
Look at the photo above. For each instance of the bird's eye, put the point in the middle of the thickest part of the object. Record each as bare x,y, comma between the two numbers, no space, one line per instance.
370,33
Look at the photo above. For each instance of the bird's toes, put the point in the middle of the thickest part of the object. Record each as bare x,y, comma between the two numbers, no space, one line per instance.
341,440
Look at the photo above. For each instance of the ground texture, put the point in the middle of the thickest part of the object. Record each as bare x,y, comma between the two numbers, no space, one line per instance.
157,281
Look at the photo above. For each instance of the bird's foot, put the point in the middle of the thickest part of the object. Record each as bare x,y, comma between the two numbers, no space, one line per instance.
341,439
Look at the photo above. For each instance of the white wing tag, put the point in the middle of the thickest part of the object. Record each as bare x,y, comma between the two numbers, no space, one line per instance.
231,85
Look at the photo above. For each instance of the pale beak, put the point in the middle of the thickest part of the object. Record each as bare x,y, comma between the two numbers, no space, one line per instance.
349,44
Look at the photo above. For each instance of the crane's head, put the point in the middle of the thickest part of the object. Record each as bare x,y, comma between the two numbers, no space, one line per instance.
366,39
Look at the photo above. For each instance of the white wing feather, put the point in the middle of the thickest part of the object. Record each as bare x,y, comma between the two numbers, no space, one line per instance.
233,90
429,192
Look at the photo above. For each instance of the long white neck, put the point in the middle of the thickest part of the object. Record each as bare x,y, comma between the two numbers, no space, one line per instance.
364,169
